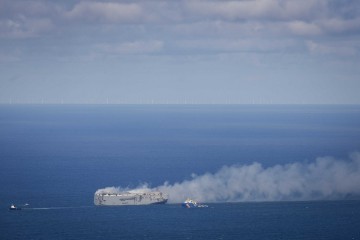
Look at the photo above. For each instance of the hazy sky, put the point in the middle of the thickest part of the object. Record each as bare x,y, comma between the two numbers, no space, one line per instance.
205,51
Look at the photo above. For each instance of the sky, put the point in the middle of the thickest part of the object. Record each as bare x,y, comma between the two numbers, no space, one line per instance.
185,51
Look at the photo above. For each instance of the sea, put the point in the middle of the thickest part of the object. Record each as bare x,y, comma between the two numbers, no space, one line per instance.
54,158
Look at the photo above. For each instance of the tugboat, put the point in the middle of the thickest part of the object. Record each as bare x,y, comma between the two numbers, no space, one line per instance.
13,207
189,203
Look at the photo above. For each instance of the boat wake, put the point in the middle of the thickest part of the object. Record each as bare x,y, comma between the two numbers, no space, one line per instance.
56,208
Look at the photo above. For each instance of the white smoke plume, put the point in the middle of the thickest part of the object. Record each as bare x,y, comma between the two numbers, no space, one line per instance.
324,179
141,188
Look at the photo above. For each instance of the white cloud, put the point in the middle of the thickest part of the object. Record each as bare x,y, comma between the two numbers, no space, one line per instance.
235,45
340,49
29,8
26,19
135,47
106,12
303,10
75,29
231,10
259,9
23,27
304,28
220,28
338,25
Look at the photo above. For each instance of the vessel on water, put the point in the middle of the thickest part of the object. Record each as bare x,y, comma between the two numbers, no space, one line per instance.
13,207
189,203
130,198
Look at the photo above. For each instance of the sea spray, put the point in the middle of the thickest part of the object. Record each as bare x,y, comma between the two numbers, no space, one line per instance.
326,178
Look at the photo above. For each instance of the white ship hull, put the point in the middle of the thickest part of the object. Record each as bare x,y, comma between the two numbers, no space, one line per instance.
128,198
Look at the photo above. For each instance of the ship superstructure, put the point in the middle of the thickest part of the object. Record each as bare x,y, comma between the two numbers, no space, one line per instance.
130,198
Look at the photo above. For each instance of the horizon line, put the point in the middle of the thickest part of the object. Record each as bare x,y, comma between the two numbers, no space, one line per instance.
161,103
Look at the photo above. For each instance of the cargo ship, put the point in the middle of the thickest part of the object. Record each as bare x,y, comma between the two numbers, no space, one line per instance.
130,198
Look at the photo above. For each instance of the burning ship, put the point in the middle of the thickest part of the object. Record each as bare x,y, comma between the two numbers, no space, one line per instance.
130,198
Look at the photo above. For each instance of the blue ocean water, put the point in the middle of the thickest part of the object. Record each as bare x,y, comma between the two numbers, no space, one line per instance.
55,157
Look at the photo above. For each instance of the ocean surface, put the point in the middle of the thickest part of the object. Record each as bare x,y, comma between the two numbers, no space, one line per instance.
54,157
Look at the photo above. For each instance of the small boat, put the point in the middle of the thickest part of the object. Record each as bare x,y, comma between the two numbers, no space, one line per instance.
189,203
13,207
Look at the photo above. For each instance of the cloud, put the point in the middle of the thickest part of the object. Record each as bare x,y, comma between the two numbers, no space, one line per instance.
231,10
326,178
326,26
219,28
106,12
235,37
234,45
339,26
135,47
26,19
260,9
337,49
30,8
304,28
282,18
23,27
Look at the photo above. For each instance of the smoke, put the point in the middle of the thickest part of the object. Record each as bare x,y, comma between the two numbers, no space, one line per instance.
108,190
326,178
